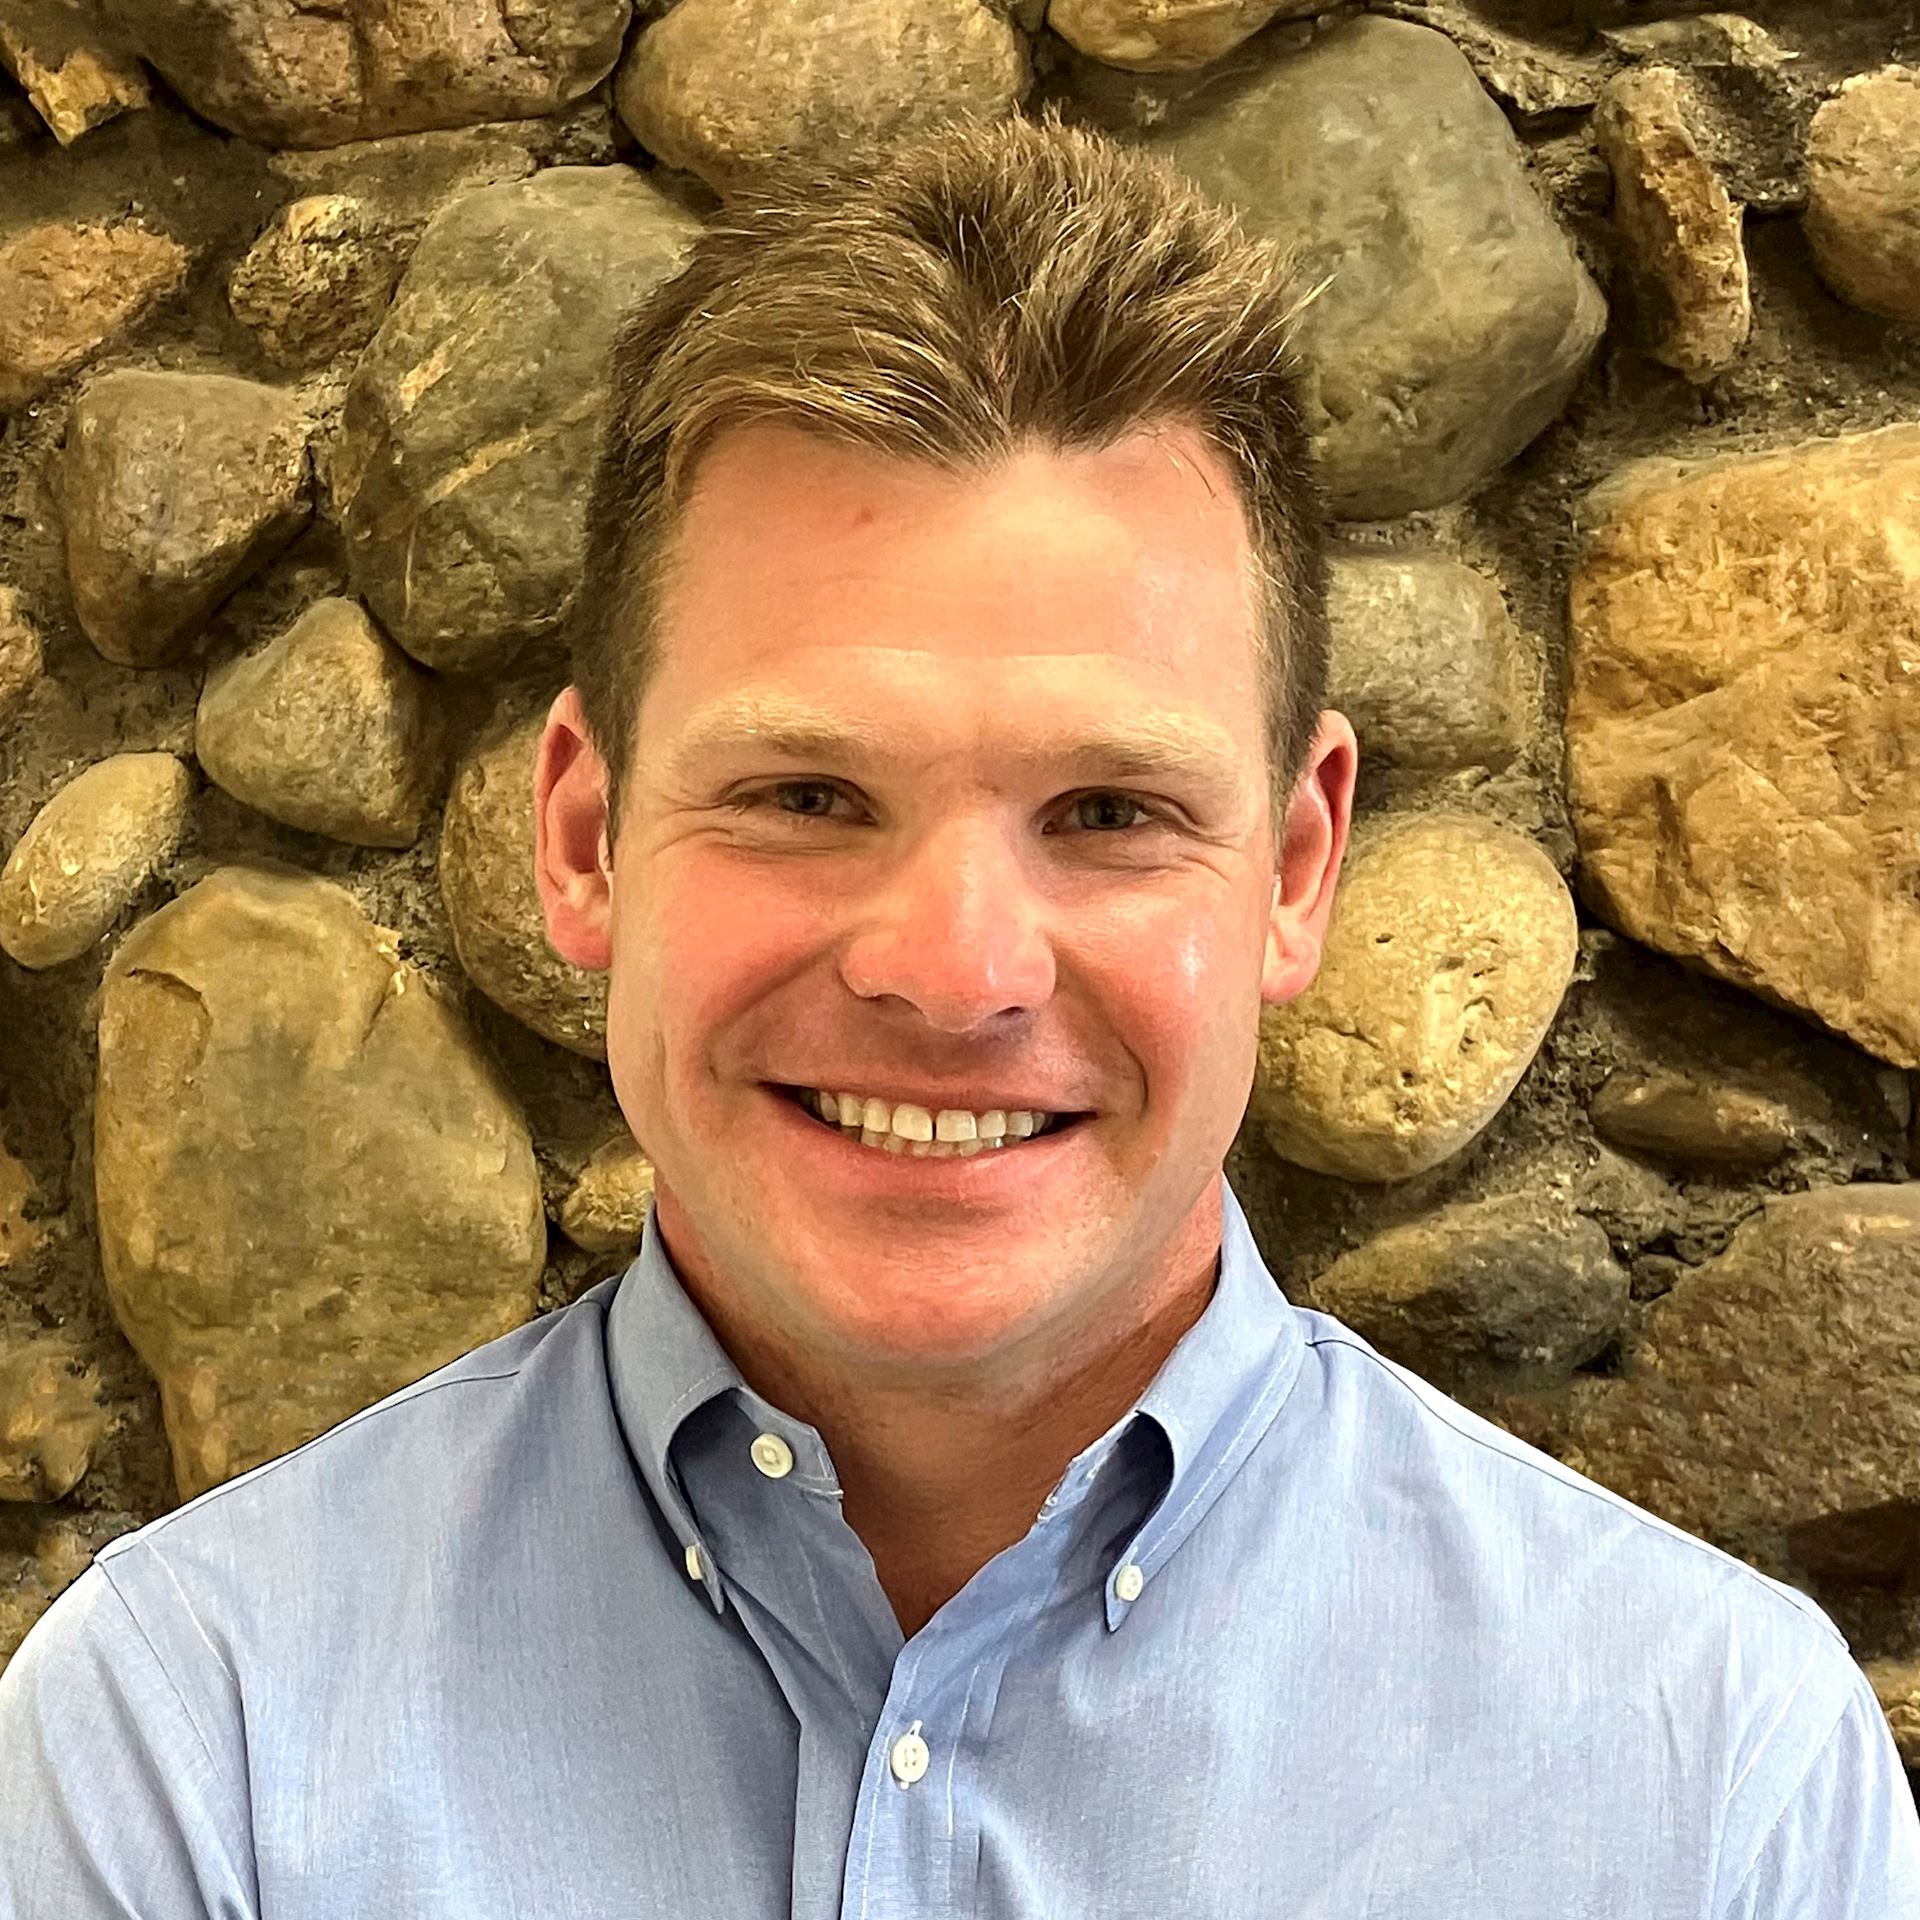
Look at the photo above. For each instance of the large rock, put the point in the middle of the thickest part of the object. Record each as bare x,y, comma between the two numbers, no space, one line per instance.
473,418
87,854
1451,945
1457,320
493,905
1513,1292
328,727
1685,238
724,88
69,288
1743,723
1771,1403
313,1185
175,487
1165,36
283,74
1425,661
1863,192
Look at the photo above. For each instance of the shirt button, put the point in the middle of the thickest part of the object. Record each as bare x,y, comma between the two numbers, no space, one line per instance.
1128,1582
695,1566
773,1456
908,1756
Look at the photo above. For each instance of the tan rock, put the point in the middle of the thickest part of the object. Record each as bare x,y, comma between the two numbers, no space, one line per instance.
1166,36
60,1555
1679,1117
268,1066
1896,1685
21,653
21,1237
493,906
1425,662
725,88
605,1211
328,727
74,78
1451,945
1743,723
69,288
175,487
284,74
1863,192
1686,247
1513,1291
1768,1404
317,281
51,1420
88,852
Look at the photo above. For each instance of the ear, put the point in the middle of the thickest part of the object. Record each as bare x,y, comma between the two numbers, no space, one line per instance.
572,866
1313,841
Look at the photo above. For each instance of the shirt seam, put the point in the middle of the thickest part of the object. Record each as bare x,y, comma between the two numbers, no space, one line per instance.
1793,1793
1605,1496
153,1653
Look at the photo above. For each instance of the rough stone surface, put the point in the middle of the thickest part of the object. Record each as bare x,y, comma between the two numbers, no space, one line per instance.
68,288
1772,1399
51,1420
726,88
1425,661
1458,318
21,1235
174,488
473,416
1530,72
88,853
605,1211
317,281
1685,241
1451,944
74,77
21,653
493,905
1515,1291
61,1554
1164,36
267,1060
1896,1685
328,727
286,75
1743,723
1863,192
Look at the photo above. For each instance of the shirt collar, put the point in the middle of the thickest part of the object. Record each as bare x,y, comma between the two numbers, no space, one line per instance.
1215,1395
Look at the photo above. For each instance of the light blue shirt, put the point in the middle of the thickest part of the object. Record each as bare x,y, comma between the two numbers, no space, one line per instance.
1299,1636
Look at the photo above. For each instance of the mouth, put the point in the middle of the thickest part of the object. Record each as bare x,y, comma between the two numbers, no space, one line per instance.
802,1099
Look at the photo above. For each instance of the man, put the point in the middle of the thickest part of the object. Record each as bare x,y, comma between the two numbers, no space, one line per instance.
945,1513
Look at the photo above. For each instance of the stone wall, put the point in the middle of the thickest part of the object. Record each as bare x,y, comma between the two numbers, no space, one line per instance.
1601,1110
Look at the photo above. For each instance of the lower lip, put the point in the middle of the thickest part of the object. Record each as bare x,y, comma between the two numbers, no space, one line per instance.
994,1173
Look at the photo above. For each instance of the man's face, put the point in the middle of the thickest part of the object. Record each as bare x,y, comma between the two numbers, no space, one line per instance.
951,903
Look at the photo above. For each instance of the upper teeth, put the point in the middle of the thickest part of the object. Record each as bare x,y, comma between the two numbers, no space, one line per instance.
956,1124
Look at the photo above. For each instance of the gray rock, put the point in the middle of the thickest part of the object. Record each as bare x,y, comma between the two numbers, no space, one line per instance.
493,906
1425,661
1762,1406
286,75
267,1063
1165,36
175,487
328,727
1457,319
725,88
1513,1293
473,416
1451,945
1863,192
88,852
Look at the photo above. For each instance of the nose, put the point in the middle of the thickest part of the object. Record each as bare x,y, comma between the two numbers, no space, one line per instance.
955,929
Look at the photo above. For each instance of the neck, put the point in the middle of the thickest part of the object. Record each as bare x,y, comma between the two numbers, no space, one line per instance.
938,1479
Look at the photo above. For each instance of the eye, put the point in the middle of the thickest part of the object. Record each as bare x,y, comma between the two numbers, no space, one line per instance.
1113,800
1116,805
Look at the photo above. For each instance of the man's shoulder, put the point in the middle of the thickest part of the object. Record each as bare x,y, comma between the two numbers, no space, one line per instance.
363,1495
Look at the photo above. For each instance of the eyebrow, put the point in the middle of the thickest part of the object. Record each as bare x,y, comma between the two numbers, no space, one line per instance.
1157,746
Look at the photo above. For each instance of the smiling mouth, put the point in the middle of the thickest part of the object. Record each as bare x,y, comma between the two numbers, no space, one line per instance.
889,1142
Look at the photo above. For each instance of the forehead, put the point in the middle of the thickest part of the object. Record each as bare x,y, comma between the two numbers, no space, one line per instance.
1054,593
